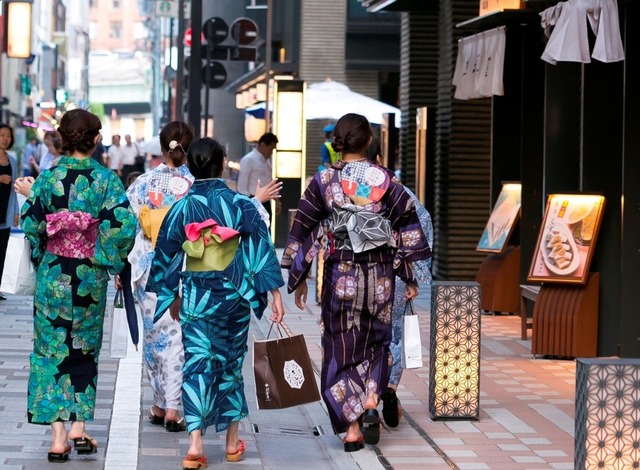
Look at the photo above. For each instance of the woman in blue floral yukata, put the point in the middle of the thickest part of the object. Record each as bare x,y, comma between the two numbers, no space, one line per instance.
80,226
230,267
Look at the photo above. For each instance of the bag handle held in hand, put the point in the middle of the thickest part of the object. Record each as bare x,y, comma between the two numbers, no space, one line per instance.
408,308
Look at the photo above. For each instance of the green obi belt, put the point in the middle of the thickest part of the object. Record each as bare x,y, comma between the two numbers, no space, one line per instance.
209,246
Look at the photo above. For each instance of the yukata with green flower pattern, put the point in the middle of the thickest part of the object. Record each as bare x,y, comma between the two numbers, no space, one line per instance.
81,228
216,304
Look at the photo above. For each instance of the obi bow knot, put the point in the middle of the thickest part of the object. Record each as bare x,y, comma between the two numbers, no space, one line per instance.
209,246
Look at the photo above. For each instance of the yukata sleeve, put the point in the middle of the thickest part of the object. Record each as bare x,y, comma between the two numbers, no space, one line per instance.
33,222
412,244
306,232
117,227
164,277
259,259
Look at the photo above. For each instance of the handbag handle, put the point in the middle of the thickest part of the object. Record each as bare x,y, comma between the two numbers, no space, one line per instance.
279,329
118,300
408,307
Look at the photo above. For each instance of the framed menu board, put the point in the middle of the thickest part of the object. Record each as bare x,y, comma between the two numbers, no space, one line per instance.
503,219
567,238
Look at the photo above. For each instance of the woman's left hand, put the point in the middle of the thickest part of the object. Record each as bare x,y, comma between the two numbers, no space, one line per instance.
16,220
411,292
174,308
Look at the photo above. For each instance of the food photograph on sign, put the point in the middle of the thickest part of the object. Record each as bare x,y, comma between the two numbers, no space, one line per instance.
567,238
503,219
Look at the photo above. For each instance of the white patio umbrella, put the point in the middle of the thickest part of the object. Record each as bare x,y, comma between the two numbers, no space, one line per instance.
332,100
153,146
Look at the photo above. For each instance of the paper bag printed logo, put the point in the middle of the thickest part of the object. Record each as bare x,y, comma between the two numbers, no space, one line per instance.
293,374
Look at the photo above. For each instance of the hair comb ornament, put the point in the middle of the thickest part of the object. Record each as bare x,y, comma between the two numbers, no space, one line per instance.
175,144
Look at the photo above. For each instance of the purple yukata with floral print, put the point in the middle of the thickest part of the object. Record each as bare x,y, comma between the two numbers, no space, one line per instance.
357,287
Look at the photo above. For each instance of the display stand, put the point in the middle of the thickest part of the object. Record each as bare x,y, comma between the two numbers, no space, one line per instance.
499,277
565,319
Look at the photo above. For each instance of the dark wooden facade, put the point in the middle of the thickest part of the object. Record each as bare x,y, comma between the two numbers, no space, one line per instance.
559,128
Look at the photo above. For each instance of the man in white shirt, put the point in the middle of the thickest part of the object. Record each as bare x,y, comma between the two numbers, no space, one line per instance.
129,152
256,166
113,154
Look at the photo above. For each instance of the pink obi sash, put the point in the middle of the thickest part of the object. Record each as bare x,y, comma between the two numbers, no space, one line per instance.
72,234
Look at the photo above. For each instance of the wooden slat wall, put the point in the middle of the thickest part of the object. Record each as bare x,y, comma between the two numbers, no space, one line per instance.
322,42
462,166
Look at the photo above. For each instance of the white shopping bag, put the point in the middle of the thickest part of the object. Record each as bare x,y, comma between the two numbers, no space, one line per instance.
411,342
119,328
18,276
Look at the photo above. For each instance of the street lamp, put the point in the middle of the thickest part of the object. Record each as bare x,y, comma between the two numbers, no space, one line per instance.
17,28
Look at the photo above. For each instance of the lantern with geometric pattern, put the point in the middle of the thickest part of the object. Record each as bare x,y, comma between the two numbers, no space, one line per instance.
607,414
454,372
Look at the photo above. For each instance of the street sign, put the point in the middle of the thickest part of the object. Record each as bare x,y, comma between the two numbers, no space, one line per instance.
167,8
244,31
214,74
215,30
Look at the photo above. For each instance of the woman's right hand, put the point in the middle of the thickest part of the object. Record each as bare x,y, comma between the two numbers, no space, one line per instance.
268,192
301,295
23,185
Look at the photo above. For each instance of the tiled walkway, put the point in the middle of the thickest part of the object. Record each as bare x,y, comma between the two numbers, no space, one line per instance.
526,412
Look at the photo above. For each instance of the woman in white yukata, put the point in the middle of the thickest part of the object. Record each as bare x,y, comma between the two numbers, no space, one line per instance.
151,196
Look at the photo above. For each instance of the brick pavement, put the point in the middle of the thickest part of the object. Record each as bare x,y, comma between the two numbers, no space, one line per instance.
526,412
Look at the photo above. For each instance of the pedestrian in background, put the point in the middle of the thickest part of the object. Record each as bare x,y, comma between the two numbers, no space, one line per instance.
220,287
128,154
256,167
151,196
114,155
9,210
359,276
30,151
328,156
391,410
46,158
80,226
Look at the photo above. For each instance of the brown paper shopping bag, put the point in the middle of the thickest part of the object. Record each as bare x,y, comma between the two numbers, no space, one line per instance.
283,373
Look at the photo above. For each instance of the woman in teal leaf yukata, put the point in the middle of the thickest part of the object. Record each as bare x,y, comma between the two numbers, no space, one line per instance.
78,220
230,267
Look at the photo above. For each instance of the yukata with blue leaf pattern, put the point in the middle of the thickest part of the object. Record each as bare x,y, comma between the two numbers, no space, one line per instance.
216,305
81,228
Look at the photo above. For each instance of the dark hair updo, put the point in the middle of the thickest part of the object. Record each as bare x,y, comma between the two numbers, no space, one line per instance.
182,134
351,134
78,130
205,158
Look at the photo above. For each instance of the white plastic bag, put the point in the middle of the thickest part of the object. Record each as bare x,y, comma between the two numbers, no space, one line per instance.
19,276
119,328
411,341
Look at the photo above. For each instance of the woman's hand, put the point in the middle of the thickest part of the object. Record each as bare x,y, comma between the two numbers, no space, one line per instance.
23,185
16,220
301,295
411,292
5,179
174,308
268,192
277,306
117,282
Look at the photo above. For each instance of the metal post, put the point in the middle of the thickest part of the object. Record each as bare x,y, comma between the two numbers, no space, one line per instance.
179,115
267,63
195,68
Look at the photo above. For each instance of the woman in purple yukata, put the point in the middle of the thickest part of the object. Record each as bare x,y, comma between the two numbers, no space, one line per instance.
373,234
